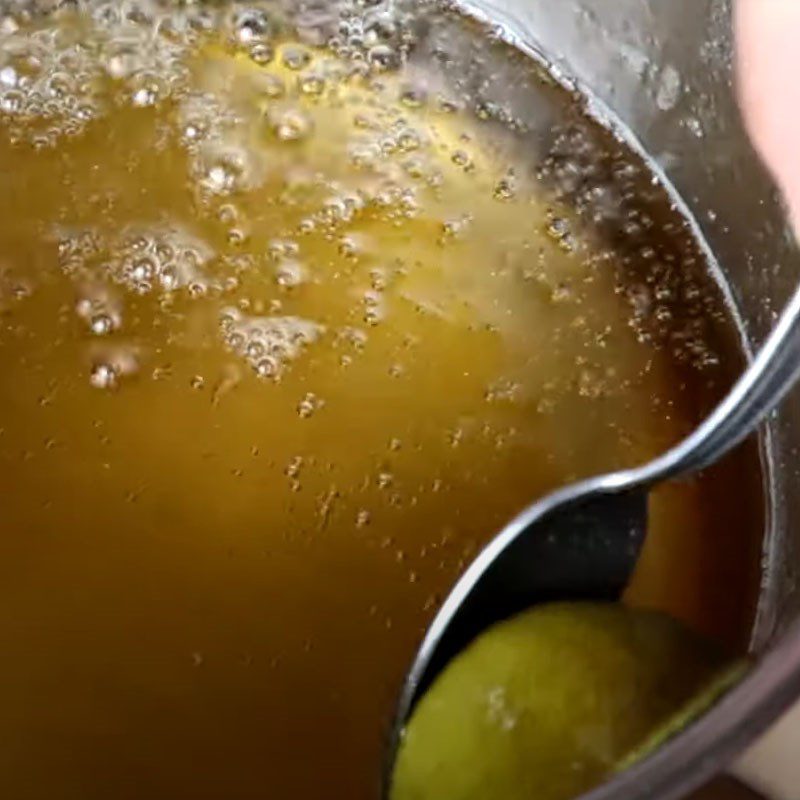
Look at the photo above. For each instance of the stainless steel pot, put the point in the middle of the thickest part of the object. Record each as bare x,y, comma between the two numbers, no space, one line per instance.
664,70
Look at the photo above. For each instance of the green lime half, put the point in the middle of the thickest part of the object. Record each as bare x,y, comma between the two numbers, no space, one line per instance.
547,704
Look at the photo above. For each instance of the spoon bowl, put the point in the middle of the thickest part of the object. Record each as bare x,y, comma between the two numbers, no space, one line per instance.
587,541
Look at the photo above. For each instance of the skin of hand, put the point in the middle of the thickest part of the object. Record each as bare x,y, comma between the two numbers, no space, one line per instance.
768,77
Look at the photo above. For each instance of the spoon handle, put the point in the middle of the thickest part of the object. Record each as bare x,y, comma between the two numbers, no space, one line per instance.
772,373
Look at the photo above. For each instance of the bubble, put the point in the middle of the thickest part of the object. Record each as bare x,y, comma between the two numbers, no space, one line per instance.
290,273
192,132
169,279
269,85
378,280
228,214
267,368
348,246
446,105
362,518
309,405
415,167
663,314
261,54
197,289
237,236
695,126
295,57
313,85
11,101
461,158
250,24
197,382
147,94
307,225
121,64
255,349
101,324
290,124
505,189
111,363
142,269
8,77
236,341
363,155
148,88
382,57
229,165
221,178
455,228
486,110
364,122
103,376
59,85
413,96
389,145
557,227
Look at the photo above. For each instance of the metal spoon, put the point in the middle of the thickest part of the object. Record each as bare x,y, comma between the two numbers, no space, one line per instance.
583,541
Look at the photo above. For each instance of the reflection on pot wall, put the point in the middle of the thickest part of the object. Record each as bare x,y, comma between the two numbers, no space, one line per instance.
665,70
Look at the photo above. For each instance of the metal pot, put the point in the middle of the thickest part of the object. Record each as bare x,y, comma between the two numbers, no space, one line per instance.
664,70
